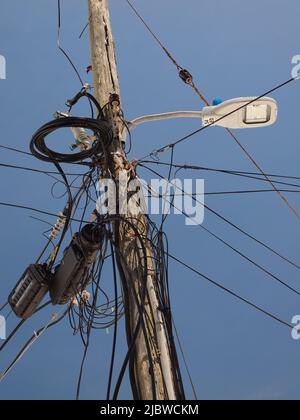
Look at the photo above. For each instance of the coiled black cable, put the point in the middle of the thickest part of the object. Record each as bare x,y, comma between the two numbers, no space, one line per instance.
100,128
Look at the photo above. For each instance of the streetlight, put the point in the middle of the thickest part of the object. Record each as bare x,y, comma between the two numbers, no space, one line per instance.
248,112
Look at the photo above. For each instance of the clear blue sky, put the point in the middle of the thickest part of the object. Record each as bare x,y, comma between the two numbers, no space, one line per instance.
233,49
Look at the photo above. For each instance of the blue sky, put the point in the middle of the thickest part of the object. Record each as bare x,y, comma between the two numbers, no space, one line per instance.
233,49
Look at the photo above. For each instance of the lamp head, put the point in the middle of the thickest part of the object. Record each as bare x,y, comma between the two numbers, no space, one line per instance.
248,113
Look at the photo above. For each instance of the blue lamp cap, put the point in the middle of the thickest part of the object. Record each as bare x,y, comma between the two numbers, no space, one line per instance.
217,101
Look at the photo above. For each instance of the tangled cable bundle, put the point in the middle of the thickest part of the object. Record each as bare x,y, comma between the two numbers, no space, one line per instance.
100,128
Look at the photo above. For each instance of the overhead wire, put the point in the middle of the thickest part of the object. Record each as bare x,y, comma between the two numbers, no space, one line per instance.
113,355
12,149
230,223
21,323
224,171
4,306
192,134
238,252
64,52
62,49
235,295
224,193
184,358
188,79
55,319
24,168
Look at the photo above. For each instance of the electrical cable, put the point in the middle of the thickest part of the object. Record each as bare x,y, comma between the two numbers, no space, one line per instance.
115,325
101,130
83,30
4,165
224,193
188,79
185,362
227,244
17,328
15,150
61,49
155,36
66,55
233,225
280,194
225,171
4,306
89,320
133,335
235,295
55,319
190,135
140,324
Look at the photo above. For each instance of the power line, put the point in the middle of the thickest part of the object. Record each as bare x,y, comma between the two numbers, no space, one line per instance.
227,244
4,306
190,135
47,213
230,223
113,354
60,47
183,73
24,168
235,295
15,150
225,171
21,323
55,319
185,361
280,194
154,36
224,193
188,79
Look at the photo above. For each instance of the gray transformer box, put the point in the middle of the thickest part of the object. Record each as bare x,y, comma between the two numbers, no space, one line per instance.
73,274
30,291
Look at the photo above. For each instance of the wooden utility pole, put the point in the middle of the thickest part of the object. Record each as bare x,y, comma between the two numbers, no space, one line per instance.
151,368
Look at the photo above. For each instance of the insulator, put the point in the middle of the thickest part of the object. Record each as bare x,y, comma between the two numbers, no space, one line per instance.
81,136
59,225
79,133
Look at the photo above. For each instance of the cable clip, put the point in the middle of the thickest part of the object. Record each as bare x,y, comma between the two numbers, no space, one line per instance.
71,102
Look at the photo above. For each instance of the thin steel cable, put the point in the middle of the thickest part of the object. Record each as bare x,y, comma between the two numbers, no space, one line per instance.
154,36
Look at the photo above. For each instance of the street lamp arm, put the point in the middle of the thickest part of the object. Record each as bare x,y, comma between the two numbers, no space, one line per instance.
167,116
246,112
